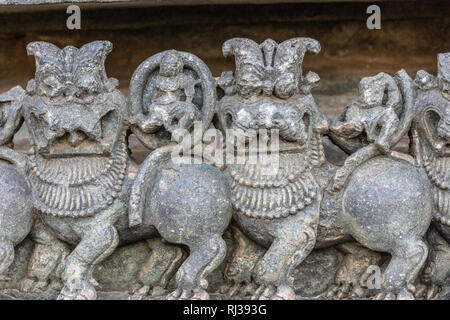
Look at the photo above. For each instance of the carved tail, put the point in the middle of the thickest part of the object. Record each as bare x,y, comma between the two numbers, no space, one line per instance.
145,175
18,160
406,85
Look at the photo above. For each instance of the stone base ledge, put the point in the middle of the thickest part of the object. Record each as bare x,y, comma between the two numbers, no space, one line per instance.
27,5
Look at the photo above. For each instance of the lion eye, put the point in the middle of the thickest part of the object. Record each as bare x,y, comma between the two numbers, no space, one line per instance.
285,86
88,83
51,81
249,85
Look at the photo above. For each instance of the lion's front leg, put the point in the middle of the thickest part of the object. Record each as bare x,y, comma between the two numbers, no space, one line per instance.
273,272
95,238
45,263
295,238
243,256
96,244
437,270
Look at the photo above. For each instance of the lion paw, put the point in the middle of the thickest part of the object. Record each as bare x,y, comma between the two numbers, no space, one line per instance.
428,291
32,285
272,292
345,290
76,289
141,292
241,289
403,294
4,278
189,294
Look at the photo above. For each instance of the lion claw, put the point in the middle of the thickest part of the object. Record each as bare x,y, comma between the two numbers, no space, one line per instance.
401,295
272,292
238,289
345,291
31,285
78,290
188,294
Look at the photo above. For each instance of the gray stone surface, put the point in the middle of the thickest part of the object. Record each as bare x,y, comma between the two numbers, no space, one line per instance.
104,223
316,274
121,270
269,90
16,217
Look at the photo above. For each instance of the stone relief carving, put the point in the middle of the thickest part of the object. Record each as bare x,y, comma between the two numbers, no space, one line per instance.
376,113
431,149
252,228
187,203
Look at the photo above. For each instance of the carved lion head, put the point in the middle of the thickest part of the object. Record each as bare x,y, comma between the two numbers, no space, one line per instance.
73,107
434,107
268,91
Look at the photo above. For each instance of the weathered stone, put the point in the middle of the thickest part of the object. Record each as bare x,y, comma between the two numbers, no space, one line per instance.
18,269
99,215
316,274
119,272
16,217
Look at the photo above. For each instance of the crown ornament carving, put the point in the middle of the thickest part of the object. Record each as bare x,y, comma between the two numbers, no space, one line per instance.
270,68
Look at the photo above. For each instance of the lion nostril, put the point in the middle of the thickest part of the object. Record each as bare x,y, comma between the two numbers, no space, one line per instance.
76,138
267,91
254,123
278,122
267,88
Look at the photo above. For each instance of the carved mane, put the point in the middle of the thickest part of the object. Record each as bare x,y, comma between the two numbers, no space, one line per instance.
287,192
436,166
78,187
438,170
